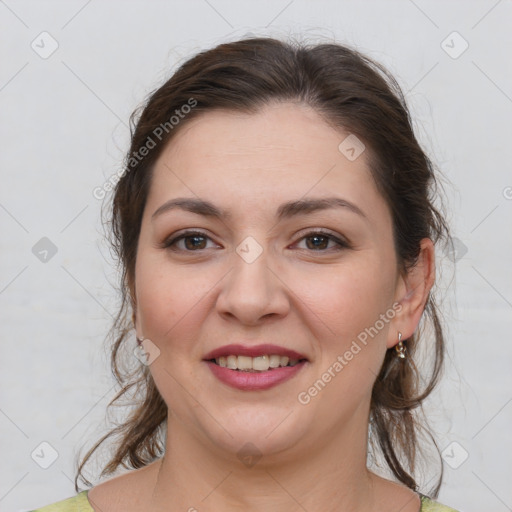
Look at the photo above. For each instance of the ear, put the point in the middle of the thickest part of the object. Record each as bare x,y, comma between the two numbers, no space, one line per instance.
412,293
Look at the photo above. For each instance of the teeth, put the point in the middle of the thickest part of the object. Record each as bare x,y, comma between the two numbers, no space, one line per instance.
244,363
260,363
274,361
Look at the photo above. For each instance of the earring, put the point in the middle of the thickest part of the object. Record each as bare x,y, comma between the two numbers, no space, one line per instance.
139,340
400,347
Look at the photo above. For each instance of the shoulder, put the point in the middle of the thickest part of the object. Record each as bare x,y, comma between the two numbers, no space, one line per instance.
429,505
78,503
129,492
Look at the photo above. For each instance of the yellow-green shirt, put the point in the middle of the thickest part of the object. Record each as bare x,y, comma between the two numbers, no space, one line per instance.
80,503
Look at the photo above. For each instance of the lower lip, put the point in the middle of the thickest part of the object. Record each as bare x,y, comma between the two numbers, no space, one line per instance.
251,381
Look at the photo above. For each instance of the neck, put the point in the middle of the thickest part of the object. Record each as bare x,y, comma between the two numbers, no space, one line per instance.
195,476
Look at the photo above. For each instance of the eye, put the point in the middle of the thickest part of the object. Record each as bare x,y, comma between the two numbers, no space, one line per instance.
320,239
193,240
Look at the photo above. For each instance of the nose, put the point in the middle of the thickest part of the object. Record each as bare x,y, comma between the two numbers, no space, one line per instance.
253,291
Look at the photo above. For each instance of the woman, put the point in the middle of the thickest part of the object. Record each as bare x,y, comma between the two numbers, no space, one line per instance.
276,231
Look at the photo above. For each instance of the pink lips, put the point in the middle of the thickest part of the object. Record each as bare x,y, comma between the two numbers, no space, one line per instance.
252,381
254,351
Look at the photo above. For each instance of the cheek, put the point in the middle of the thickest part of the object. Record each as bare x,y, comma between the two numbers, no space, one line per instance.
345,311
347,299
171,300
171,306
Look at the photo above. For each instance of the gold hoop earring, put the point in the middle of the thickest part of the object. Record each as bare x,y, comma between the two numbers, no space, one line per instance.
400,347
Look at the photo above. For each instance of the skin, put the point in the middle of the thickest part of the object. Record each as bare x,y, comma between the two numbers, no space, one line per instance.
315,301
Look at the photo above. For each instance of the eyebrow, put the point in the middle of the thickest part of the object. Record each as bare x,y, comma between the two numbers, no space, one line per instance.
285,211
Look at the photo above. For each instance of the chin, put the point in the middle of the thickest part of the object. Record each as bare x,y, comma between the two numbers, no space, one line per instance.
267,431
250,447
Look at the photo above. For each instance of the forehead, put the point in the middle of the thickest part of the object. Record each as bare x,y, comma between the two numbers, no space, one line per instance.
284,151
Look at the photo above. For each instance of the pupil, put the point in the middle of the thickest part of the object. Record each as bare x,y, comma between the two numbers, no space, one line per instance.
317,237
196,238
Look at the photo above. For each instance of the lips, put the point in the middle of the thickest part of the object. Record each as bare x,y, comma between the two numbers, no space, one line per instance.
253,351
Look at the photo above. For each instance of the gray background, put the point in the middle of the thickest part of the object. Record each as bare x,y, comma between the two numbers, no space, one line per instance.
63,129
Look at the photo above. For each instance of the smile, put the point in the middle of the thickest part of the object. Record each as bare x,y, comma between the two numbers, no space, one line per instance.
255,380
255,364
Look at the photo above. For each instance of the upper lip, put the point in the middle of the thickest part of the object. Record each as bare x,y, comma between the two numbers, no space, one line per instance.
252,351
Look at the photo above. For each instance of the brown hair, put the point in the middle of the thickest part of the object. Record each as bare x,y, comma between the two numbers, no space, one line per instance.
352,93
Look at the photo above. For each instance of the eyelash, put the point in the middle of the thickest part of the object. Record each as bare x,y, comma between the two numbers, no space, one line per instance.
342,244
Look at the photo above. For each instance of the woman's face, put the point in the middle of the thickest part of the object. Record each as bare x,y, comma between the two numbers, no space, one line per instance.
322,282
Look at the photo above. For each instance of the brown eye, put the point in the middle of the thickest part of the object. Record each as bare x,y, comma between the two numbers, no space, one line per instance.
319,241
193,241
